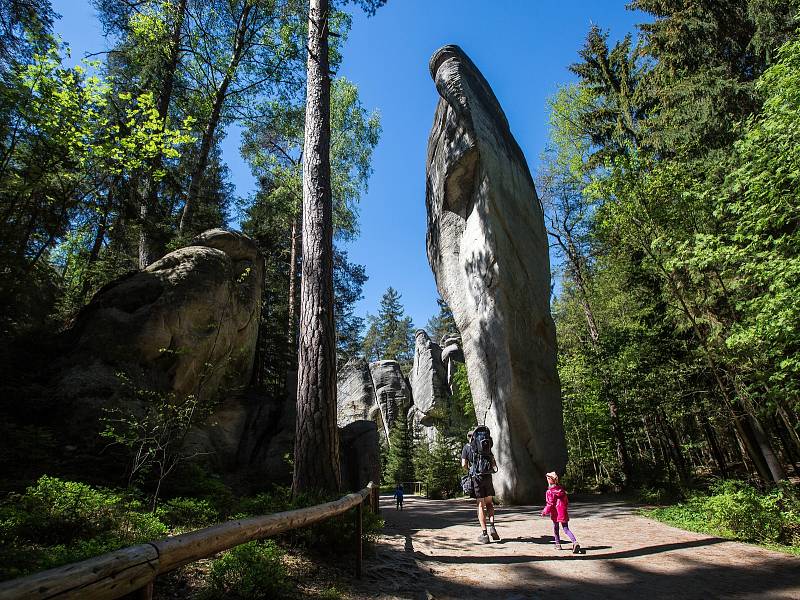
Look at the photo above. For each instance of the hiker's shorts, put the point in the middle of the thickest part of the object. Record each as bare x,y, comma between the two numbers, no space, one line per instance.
483,486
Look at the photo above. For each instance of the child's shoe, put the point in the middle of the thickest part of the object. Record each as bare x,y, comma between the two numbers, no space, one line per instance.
558,546
483,538
493,533
576,548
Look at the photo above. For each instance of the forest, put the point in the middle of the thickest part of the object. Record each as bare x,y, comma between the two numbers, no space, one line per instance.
670,187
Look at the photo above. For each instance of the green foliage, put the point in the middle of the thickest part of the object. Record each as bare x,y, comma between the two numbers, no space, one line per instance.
154,434
193,513
438,466
675,229
249,572
736,510
57,522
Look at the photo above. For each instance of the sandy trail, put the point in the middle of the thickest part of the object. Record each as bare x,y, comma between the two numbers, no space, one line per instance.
429,550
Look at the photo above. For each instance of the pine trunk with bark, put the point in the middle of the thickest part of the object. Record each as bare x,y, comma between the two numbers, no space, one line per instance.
294,255
316,450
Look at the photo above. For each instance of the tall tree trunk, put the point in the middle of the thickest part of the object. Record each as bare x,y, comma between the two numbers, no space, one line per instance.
294,254
316,450
242,31
97,245
774,465
791,424
147,226
713,445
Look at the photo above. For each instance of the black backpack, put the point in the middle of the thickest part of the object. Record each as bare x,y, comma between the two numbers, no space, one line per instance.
481,445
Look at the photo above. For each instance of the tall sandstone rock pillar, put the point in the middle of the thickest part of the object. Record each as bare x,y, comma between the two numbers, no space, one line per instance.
488,249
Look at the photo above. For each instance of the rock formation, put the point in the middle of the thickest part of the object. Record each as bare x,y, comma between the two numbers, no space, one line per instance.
452,354
185,326
356,393
188,322
488,249
359,454
376,391
428,377
391,389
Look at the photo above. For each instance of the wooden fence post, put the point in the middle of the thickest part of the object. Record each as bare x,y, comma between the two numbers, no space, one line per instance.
375,499
143,593
359,540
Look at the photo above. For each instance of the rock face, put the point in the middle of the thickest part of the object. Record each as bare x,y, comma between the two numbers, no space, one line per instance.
376,392
429,378
186,325
188,321
488,249
359,454
391,389
355,393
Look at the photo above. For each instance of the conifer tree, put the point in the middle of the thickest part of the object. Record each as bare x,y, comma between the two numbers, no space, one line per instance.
400,454
390,335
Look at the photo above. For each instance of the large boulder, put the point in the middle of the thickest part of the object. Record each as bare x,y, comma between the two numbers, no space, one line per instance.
488,249
187,324
185,327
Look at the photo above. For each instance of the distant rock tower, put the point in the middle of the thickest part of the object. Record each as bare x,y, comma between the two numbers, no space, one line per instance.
488,249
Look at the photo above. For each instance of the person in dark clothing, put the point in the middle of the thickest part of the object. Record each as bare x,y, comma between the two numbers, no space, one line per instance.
398,496
484,493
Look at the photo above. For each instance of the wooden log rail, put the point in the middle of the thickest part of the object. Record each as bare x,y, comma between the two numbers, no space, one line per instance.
132,570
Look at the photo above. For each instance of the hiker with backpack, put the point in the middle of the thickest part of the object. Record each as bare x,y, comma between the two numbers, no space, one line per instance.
478,459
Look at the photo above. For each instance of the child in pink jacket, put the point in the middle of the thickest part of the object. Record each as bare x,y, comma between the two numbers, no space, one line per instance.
556,506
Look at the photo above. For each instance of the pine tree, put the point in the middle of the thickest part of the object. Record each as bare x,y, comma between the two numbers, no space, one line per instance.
442,325
390,334
438,466
399,465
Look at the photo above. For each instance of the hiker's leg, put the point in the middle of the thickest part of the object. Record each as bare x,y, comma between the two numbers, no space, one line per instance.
570,535
555,533
490,508
481,516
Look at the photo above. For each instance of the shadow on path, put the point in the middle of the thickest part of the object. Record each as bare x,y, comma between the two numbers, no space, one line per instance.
429,552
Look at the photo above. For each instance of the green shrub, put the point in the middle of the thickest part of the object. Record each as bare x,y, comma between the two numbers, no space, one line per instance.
191,480
250,571
737,510
57,522
189,513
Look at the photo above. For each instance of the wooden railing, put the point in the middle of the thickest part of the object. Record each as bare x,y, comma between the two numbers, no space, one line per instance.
132,571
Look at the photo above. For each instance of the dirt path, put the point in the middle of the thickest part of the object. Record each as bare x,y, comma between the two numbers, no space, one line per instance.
430,551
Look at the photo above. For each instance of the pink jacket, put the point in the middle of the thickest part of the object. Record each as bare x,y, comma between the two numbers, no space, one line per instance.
557,503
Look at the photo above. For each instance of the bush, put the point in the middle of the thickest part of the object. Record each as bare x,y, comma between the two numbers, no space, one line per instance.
439,467
251,571
737,510
190,480
57,522
189,513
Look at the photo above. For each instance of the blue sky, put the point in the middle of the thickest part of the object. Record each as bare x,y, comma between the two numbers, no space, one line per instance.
523,48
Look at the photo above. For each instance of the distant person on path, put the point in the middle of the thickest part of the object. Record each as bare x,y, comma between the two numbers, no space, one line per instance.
398,496
556,505
477,458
